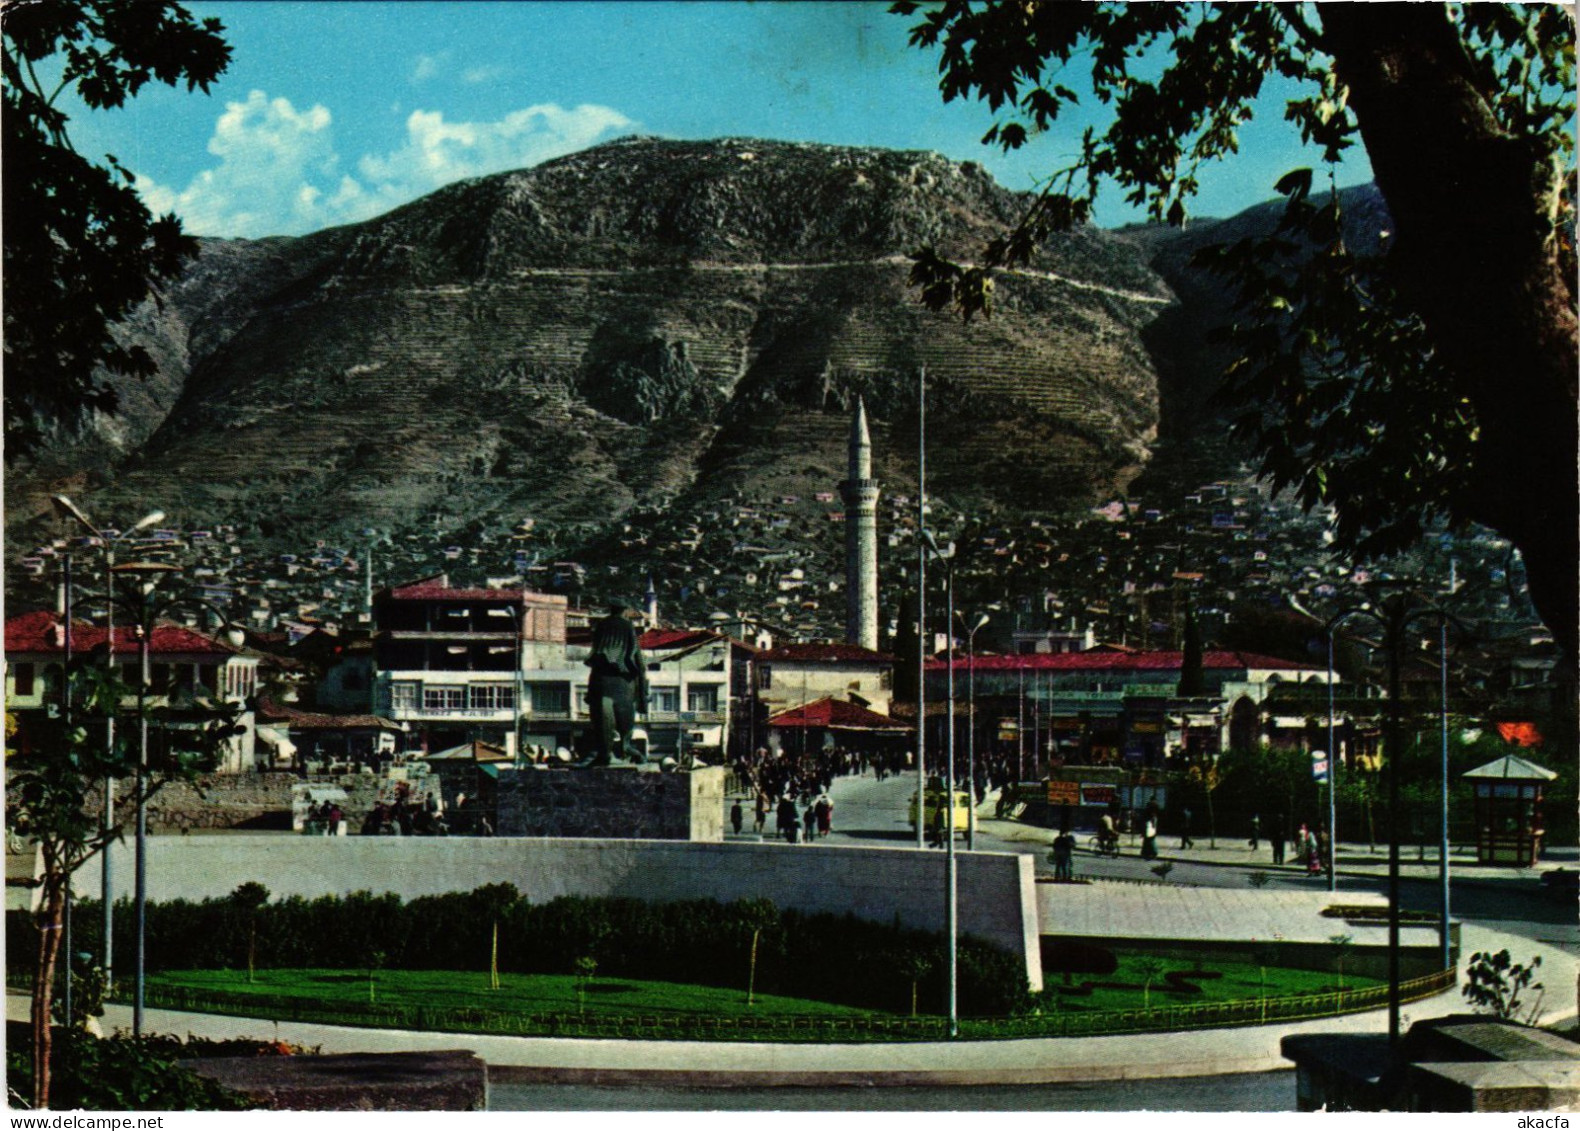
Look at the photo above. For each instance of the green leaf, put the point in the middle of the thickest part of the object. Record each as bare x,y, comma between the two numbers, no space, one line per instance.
1296,182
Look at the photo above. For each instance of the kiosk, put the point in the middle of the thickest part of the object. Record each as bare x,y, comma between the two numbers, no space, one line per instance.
1509,810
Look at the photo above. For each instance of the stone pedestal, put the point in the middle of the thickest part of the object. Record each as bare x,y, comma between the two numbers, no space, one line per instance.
612,802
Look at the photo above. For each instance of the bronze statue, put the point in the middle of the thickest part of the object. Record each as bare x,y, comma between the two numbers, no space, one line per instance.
616,688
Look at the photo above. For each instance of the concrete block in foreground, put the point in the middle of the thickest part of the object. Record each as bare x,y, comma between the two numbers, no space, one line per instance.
452,1080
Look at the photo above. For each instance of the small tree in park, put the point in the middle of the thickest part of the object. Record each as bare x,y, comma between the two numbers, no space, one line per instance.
1342,946
52,766
1150,969
754,915
248,898
585,967
915,964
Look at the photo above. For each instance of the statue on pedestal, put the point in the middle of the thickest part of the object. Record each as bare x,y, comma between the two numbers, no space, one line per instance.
616,688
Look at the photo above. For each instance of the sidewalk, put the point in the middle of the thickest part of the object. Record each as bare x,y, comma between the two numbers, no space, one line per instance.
1355,858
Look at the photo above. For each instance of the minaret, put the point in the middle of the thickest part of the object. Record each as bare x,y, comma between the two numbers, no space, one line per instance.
860,492
650,604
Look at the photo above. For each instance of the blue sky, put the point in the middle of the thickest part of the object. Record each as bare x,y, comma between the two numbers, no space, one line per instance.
332,112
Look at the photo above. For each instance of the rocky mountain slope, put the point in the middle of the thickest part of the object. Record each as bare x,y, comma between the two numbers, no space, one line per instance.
644,323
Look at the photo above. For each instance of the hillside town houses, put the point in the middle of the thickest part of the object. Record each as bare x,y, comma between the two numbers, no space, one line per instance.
1078,661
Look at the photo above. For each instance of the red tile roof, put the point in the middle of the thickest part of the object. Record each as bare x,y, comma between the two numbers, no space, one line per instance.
271,712
1101,661
36,632
655,638
424,592
823,654
835,714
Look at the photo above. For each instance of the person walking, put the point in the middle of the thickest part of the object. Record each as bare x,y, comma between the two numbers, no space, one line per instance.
1149,838
786,818
1063,856
1185,838
1279,836
1256,831
737,817
759,812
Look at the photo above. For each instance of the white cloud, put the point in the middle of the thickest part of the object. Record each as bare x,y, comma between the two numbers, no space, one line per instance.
279,173
481,74
438,152
429,66
271,157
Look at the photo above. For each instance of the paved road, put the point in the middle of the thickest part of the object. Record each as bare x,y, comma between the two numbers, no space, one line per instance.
873,813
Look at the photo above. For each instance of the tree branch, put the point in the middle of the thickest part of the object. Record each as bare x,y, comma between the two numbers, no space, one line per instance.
1310,37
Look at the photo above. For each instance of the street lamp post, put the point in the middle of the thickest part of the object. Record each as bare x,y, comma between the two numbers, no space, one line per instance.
148,574
517,623
1442,848
921,607
107,823
951,865
1333,777
971,729
1395,613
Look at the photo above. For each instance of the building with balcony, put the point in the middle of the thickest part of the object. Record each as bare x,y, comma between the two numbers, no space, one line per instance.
689,701
461,665
499,666
792,675
180,659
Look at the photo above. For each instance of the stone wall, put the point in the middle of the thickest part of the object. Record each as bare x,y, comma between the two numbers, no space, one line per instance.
612,802
240,801
997,890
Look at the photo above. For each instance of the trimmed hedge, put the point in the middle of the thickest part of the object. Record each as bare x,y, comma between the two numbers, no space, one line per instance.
823,957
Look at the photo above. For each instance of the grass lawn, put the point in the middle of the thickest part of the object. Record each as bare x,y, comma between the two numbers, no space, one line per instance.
1237,981
517,993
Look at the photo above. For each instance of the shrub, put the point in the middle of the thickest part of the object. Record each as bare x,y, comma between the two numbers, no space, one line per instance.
116,1074
835,958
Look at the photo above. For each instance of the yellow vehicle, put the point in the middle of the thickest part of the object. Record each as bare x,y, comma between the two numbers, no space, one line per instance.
935,806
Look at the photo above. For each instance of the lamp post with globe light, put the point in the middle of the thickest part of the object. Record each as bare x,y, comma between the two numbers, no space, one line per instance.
951,865
144,581
1396,611
108,543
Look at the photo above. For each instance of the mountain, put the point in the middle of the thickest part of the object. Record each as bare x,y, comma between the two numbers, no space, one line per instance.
646,323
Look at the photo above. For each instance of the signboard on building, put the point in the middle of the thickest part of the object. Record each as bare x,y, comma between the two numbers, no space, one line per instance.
1319,766
1064,793
1098,794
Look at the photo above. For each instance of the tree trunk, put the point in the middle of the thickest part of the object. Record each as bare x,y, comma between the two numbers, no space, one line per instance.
1476,254
751,976
49,939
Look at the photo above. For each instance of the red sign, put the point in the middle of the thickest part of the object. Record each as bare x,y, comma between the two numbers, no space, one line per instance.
1064,793
1098,795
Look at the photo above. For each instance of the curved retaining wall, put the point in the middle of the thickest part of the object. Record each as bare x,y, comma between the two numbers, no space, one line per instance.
997,900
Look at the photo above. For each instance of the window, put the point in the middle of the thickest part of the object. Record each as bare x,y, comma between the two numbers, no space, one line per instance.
551,698
443,698
24,679
702,698
767,677
493,697
666,700
403,696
